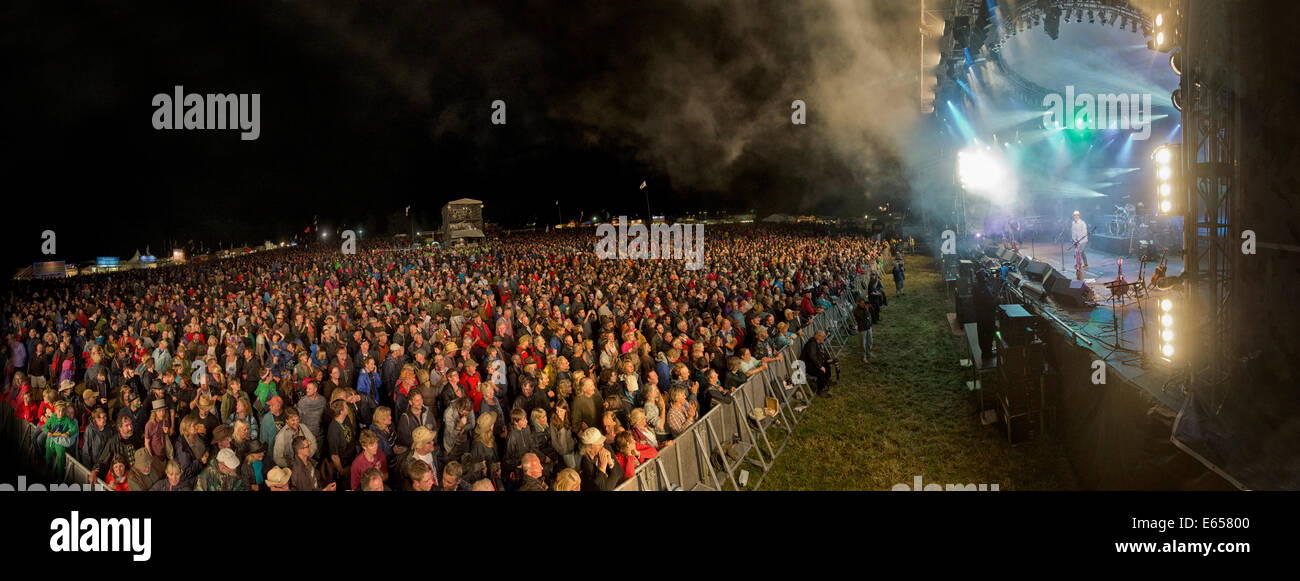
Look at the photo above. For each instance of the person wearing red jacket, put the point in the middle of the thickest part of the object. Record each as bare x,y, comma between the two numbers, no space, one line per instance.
631,453
469,378
27,409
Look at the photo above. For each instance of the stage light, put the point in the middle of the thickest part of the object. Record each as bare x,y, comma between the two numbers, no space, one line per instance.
1167,335
1166,157
1164,33
983,171
1166,320
1166,305
1167,350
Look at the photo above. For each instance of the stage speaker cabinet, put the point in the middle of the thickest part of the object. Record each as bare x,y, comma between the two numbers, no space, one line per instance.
1071,295
965,274
1017,365
965,308
1016,325
1007,255
1054,278
1022,263
1022,427
1037,270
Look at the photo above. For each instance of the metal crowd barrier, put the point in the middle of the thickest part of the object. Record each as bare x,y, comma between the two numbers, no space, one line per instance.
713,450
31,453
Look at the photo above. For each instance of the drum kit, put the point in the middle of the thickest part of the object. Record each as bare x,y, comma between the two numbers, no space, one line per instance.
1124,222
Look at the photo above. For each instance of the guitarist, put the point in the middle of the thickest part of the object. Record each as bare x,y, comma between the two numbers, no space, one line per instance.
1079,233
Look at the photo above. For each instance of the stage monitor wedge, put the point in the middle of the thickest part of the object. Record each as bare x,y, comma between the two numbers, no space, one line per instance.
1037,270
1054,279
1071,295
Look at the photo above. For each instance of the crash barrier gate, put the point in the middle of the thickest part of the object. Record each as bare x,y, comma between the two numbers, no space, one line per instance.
712,452
28,442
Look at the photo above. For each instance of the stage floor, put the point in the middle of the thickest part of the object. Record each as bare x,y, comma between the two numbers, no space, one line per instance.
1115,328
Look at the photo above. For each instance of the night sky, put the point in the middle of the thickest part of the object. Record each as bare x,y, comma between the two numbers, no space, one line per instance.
365,110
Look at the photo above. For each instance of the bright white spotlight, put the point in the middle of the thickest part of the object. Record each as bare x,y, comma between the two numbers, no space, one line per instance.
979,170
1163,155
1166,321
1166,305
1167,350
1166,206
1160,39
1165,190
1164,173
1167,335
1160,19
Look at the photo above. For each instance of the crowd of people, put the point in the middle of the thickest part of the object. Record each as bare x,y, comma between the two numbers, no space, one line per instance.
526,363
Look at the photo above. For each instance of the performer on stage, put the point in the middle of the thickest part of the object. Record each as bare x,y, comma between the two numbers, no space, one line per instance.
1079,234
1011,232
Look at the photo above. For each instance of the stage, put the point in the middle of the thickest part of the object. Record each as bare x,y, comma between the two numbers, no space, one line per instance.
1096,326
1115,426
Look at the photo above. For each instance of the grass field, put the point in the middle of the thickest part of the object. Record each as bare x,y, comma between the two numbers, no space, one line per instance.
907,413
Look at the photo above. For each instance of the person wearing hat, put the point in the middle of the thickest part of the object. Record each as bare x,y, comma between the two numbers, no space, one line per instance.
253,470
222,474
135,408
222,439
157,431
143,474
277,479
596,464
205,416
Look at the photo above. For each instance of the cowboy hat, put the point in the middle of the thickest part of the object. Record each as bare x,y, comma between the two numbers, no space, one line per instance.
278,476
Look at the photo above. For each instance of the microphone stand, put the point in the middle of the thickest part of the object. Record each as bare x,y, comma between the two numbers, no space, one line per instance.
1062,243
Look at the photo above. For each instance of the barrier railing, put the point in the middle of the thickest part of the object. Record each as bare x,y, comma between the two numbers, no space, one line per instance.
710,453
31,452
